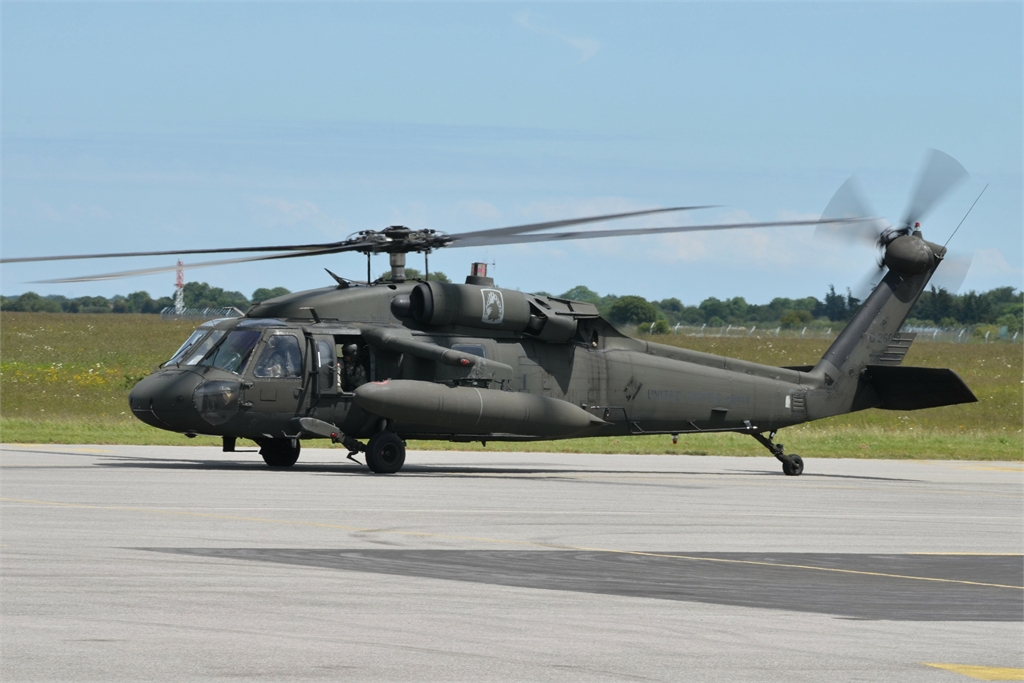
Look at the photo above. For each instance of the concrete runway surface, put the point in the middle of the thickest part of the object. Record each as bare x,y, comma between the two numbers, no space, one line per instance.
132,563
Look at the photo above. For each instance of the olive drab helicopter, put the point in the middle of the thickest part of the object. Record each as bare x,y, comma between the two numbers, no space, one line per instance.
370,364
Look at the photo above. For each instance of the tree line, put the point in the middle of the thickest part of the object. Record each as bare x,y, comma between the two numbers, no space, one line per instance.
196,295
1003,306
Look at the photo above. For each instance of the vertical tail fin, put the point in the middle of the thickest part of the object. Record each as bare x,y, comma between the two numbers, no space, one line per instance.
911,261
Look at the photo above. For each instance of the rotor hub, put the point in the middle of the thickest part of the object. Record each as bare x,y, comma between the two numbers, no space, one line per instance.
398,239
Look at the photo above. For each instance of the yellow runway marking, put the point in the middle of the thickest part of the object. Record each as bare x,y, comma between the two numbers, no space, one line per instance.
1002,466
500,541
982,673
994,468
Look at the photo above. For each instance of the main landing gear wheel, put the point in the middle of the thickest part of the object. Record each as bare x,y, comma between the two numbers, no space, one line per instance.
280,452
385,453
794,467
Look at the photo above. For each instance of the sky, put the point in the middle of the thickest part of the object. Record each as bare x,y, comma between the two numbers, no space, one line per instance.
132,127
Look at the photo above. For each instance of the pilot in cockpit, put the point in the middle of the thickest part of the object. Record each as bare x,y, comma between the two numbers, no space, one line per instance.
281,359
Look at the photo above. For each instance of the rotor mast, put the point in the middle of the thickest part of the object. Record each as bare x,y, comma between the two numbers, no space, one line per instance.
397,241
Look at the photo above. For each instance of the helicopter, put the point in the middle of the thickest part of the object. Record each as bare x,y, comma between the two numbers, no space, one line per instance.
371,364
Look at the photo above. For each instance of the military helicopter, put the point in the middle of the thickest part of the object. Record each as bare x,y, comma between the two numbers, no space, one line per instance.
370,364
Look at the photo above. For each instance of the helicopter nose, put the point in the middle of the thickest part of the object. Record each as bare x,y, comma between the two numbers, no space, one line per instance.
164,399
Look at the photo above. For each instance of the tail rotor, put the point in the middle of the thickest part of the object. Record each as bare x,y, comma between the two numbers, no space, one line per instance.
939,175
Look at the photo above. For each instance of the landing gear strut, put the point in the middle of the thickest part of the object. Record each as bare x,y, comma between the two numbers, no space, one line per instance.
792,465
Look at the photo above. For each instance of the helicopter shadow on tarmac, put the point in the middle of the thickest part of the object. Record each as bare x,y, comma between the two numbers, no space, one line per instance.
453,471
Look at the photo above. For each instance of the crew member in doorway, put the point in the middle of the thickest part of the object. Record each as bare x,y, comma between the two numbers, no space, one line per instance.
352,373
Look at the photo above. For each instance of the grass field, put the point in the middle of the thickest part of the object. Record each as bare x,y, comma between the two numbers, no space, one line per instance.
65,379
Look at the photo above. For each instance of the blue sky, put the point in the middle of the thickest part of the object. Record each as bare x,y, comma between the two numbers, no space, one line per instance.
153,126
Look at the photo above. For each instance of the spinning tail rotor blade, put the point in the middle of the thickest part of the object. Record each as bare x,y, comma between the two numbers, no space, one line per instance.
868,282
940,174
952,272
848,202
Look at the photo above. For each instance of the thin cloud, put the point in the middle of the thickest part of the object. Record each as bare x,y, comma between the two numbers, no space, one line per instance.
587,47
72,213
291,214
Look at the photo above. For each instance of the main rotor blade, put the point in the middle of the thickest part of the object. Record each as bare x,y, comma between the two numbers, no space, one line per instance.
175,252
581,235
515,229
533,227
204,264
940,174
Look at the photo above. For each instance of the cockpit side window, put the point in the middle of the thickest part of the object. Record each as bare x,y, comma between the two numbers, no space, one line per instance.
234,351
281,358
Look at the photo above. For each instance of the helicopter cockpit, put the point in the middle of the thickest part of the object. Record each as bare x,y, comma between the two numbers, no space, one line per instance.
253,375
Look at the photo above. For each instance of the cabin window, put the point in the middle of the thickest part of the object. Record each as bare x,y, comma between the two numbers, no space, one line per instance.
326,363
281,358
234,351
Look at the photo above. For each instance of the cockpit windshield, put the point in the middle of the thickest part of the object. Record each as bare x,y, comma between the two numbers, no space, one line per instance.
184,348
198,344
197,352
235,350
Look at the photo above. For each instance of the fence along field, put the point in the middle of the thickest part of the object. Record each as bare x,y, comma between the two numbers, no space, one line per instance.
65,379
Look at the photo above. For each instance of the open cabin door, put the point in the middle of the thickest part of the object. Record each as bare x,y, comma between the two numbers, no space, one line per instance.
325,365
340,362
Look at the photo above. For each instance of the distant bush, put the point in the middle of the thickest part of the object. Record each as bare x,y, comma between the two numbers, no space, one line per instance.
632,310
791,319
262,294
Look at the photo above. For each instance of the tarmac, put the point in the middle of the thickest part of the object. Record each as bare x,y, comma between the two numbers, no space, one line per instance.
146,563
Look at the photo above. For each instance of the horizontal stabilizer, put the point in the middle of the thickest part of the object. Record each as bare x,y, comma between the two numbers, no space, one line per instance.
909,388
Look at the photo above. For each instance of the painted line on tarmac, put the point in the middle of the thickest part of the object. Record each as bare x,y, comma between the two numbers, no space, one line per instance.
501,541
982,673
54,446
955,554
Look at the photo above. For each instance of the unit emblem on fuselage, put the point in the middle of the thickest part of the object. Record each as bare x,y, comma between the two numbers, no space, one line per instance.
494,306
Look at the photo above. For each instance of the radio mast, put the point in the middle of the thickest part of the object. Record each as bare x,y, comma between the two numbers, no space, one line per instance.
179,290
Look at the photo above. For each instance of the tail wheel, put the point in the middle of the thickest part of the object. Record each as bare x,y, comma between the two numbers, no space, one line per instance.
280,452
794,467
385,453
